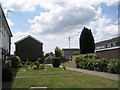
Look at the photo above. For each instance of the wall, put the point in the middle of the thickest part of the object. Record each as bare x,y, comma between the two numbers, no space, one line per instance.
29,49
109,53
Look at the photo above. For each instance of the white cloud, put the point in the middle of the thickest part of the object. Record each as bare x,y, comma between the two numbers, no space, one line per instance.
21,5
65,19
30,5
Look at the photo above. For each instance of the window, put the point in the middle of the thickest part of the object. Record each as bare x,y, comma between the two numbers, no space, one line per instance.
111,45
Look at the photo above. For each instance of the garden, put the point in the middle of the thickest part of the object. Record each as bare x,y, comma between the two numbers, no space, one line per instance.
35,74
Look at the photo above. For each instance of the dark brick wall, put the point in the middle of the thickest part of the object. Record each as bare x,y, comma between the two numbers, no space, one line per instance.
112,53
29,49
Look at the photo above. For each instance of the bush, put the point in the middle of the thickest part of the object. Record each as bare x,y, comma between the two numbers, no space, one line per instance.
7,75
37,64
104,65
16,62
48,60
40,60
56,62
76,53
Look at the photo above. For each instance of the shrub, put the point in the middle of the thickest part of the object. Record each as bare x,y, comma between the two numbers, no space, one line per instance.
76,53
103,65
37,64
48,60
7,75
56,62
43,66
16,62
40,60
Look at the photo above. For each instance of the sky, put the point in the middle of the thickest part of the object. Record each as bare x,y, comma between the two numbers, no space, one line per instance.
54,21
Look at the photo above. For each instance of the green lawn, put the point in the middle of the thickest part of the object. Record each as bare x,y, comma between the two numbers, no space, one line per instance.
47,71
69,64
67,81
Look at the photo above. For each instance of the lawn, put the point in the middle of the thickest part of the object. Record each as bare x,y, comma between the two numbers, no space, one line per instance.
71,79
47,71
71,64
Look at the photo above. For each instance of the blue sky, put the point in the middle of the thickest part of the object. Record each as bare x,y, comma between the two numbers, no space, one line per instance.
53,22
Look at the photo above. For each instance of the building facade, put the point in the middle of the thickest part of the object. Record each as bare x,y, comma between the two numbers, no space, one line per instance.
114,42
29,48
5,37
67,53
109,48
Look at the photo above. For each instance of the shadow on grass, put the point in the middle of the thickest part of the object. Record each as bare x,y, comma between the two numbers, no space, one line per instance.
8,85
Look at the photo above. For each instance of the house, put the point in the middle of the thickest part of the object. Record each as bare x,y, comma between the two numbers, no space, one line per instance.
67,53
5,38
108,43
108,48
29,48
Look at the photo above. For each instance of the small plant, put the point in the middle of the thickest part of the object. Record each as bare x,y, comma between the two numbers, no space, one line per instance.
76,53
56,62
16,62
40,60
42,66
48,60
7,75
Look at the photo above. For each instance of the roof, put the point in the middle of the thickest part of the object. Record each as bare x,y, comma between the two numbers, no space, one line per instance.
116,39
4,18
28,37
104,49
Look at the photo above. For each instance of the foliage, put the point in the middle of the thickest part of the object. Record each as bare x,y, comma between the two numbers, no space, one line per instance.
87,41
40,60
76,53
56,61
103,65
43,66
7,75
58,52
37,64
48,60
16,62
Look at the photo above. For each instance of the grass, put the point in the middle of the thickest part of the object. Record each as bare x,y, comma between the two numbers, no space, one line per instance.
69,64
71,81
47,71
75,81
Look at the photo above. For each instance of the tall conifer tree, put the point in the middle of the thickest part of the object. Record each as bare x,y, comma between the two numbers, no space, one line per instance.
87,41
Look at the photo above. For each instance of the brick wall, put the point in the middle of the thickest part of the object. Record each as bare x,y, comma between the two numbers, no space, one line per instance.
109,53
105,53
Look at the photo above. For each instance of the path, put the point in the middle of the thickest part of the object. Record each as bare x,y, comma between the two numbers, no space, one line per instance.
101,74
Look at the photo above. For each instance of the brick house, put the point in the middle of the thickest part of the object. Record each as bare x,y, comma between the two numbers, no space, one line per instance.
29,48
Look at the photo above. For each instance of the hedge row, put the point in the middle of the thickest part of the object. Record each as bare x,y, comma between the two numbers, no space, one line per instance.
102,65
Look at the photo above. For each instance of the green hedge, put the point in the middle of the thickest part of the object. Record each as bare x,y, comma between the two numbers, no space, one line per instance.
56,61
103,65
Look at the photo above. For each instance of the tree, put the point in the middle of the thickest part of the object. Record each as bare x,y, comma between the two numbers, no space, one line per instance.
58,52
86,42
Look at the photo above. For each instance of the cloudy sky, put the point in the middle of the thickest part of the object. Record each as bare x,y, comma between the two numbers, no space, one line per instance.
54,21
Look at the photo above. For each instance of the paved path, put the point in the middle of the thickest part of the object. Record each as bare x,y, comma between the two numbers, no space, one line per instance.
101,74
